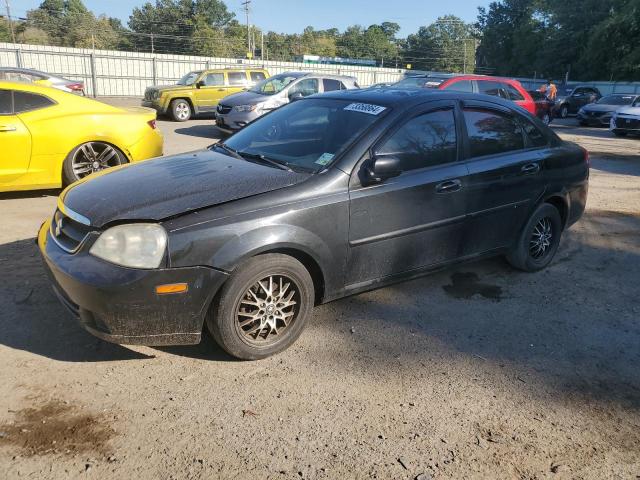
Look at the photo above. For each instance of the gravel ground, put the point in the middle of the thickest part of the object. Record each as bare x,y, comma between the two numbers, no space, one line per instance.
476,372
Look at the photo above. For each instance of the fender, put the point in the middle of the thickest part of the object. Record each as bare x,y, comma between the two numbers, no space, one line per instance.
281,237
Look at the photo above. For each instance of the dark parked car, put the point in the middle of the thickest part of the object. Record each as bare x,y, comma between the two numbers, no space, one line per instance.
599,114
325,197
572,99
544,106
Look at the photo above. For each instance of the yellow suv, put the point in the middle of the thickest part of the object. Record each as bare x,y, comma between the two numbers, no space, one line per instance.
200,91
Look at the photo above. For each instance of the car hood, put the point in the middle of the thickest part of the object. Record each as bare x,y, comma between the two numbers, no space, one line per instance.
600,107
168,186
245,98
629,110
170,88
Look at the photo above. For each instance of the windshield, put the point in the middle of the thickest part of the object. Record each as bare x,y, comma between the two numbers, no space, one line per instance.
306,135
617,100
274,85
420,82
189,78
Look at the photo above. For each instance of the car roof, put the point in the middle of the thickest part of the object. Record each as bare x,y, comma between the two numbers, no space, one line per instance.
24,70
404,97
319,75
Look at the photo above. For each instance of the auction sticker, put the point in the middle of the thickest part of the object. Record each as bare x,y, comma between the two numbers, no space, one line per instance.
365,108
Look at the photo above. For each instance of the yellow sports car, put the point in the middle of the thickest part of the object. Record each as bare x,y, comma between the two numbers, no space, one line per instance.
50,138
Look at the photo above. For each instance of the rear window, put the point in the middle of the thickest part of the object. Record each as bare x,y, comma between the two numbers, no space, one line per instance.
420,82
536,137
6,102
495,89
514,94
491,132
461,86
26,102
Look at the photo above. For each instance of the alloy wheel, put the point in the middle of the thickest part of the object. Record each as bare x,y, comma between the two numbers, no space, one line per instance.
182,111
92,157
541,238
267,310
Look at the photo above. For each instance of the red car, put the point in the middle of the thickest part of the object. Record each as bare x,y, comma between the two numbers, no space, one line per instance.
499,87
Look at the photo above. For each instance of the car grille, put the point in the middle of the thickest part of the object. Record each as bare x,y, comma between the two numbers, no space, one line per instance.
224,109
596,114
628,122
68,233
150,95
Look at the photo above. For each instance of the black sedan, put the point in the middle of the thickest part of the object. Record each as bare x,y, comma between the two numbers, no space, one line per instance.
326,197
599,114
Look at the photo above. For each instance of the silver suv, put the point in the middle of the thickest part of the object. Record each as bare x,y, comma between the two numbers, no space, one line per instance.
237,110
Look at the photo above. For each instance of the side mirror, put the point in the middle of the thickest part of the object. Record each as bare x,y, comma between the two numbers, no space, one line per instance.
200,84
295,96
381,168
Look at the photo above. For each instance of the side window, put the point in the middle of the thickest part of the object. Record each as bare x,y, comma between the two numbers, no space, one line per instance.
461,86
26,102
237,79
536,137
491,132
495,89
6,102
514,94
424,141
307,87
214,79
257,77
579,92
331,85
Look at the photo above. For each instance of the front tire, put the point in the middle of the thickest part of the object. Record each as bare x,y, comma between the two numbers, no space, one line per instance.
263,307
88,158
564,111
546,119
180,110
538,241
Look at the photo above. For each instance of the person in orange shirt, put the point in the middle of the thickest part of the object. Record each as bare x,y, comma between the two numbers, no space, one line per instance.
550,90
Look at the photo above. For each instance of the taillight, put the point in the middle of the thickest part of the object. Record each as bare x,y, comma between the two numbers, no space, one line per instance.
152,124
76,86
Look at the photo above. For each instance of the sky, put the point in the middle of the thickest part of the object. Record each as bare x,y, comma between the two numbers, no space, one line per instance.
292,16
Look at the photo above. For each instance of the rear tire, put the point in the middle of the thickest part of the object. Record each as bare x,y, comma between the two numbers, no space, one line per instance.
88,158
180,110
538,242
263,307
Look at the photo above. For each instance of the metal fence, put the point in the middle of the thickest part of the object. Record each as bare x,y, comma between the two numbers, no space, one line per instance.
116,73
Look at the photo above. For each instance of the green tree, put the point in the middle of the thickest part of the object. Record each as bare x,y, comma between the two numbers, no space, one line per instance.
447,45
5,31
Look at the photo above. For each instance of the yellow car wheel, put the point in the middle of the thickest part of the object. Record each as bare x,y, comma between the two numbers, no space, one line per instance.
89,158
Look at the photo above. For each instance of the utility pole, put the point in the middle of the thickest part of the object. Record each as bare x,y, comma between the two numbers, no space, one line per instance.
247,4
262,46
13,33
153,50
464,59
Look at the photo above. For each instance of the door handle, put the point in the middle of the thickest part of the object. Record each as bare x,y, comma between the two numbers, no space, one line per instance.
449,186
7,128
530,168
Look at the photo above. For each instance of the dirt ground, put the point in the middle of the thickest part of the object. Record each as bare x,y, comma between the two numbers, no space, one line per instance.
477,372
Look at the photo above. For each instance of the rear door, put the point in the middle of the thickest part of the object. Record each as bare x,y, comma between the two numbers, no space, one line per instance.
15,141
505,175
416,219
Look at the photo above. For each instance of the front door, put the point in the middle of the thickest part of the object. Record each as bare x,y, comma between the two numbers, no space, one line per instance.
211,90
505,176
414,220
15,141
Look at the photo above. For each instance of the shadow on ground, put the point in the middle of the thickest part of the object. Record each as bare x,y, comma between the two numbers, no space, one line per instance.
202,131
573,327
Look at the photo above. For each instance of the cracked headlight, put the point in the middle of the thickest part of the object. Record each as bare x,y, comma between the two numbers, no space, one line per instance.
138,245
